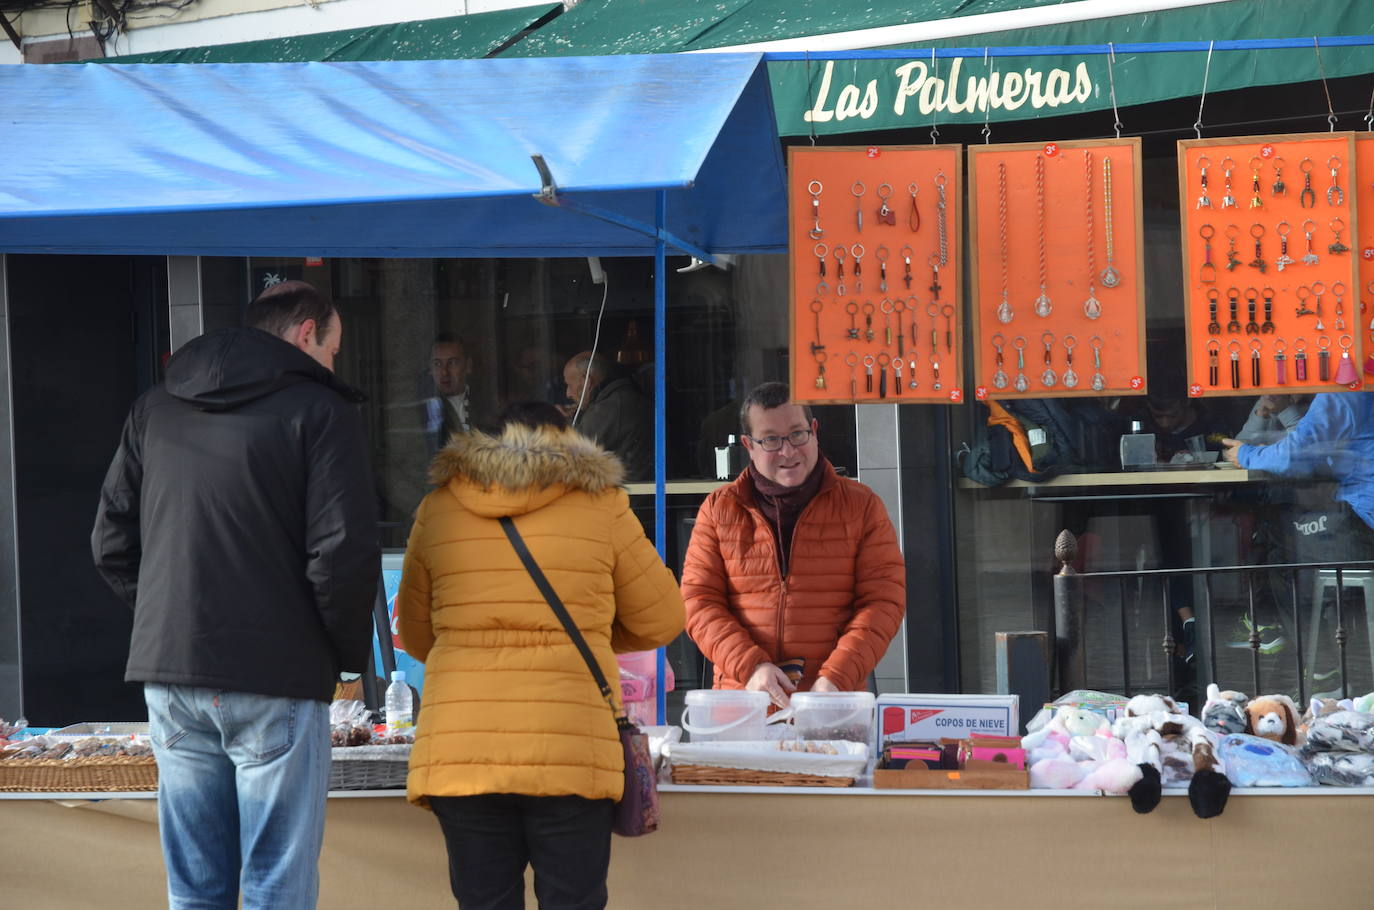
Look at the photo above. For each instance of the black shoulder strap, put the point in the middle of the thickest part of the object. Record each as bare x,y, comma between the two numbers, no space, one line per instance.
559,610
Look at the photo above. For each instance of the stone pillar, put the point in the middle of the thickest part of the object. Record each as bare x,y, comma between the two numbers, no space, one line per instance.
876,437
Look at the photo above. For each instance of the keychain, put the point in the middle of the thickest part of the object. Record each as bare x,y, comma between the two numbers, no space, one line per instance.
1213,326
1233,301
816,307
1345,370
1257,231
857,251
913,383
1255,201
906,265
1255,347
1307,198
814,188
1267,327
1232,257
881,255
1337,228
820,367
883,359
1228,200
999,379
852,308
897,375
1251,305
853,360
1213,367
1338,289
913,220
1308,228
1278,189
1284,260
1021,384
1208,273
935,370
1300,360
1048,378
868,373
868,321
1334,194
1070,377
839,253
1324,359
1099,381
1203,202
899,307
858,190
1280,362
885,213
1234,348
885,306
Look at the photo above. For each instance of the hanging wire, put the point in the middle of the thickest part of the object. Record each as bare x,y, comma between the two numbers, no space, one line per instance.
809,103
1330,111
1197,125
987,107
1369,117
934,116
1111,79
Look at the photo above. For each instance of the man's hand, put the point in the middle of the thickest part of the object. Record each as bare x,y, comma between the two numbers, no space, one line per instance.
823,684
1231,450
770,678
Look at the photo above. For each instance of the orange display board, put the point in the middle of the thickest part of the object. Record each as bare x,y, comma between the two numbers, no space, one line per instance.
874,239
1364,201
1057,245
1270,272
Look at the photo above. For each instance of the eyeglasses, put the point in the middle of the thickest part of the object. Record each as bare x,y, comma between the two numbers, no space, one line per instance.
797,438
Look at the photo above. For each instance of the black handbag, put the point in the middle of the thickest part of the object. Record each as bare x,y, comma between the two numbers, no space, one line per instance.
637,813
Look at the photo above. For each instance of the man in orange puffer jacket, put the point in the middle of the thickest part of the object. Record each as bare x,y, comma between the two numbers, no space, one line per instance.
790,563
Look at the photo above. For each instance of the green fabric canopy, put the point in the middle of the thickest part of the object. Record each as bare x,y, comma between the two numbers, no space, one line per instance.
861,95
449,38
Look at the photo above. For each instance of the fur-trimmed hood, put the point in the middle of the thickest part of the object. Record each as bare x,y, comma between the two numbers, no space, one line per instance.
522,469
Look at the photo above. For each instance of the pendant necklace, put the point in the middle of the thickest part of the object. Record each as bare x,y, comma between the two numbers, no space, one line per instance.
1091,307
1004,310
1042,303
1110,276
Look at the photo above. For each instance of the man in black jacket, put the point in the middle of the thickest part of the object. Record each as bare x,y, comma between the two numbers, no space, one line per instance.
239,523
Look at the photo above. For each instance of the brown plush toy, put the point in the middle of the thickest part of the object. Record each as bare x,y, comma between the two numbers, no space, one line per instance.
1274,717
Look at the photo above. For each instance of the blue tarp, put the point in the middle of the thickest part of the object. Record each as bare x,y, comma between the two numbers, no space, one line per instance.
391,159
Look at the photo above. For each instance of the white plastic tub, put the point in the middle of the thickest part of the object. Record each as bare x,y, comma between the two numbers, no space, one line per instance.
721,715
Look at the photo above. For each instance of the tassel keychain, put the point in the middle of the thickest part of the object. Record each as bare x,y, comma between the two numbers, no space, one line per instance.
1345,370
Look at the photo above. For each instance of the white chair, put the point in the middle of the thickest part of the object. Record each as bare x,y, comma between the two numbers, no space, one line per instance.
1351,580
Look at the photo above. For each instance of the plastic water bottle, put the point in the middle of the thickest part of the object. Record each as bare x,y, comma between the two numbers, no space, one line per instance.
400,708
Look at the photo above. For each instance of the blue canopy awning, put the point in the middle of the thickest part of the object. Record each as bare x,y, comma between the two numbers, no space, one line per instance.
391,159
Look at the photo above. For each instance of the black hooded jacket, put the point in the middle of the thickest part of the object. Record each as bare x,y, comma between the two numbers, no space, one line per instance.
238,520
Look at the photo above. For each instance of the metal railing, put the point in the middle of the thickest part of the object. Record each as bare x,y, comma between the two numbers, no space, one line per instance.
1071,620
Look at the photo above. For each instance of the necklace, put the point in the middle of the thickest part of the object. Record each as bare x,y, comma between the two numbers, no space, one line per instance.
1042,303
1091,307
1110,276
1004,311
940,207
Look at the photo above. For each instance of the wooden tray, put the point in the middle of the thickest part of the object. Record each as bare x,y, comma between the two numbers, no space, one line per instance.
733,777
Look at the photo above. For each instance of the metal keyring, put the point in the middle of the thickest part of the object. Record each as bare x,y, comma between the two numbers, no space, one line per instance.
821,250
858,189
885,305
817,306
815,187
881,253
1207,232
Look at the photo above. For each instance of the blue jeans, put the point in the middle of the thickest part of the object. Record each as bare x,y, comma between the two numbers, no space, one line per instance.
242,781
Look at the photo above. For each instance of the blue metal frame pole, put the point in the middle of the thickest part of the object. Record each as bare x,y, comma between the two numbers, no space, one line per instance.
660,418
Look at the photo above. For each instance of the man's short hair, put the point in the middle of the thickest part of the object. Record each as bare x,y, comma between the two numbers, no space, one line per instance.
285,305
593,364
450,338
767,396
533,414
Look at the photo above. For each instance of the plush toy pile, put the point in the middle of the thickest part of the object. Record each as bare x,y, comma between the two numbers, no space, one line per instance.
1098,742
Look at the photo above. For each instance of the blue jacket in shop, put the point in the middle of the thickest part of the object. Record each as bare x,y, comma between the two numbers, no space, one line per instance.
1335,438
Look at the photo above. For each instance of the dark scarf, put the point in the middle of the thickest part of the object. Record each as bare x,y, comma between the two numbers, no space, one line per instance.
782,506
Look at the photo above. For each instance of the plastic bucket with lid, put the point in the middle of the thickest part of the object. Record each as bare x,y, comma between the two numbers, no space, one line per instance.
713,715
833,715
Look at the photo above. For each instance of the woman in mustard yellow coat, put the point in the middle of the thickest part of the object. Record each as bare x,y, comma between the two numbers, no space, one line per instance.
516,751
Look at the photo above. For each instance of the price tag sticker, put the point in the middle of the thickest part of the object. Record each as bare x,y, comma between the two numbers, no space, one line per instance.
314,260
956,394
1137,383
1355,386
1051,149
1267,152
981,393
1367,252
1195,391
874,152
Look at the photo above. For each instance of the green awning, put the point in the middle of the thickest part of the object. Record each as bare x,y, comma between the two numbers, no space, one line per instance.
449,38
862,95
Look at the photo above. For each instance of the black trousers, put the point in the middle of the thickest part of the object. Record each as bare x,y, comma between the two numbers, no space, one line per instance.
492,837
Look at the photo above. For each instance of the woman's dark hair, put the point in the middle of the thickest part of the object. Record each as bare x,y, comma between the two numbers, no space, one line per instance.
533,414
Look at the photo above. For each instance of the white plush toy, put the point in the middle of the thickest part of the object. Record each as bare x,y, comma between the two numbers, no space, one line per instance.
1076,750
1157,734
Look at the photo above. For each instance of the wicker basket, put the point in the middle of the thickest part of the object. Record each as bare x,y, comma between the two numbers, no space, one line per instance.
734,777
369,767
101,774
